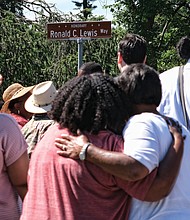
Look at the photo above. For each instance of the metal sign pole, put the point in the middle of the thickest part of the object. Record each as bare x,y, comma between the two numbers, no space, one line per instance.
80,52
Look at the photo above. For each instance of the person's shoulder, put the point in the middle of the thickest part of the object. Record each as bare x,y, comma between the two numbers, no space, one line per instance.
107,139
6,116
144,116
43,125
10,125
7,119
146,119
27,126
105,134
169,78
52,129
169,72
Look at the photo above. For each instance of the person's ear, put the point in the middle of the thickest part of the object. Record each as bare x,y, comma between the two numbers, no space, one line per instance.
17,106
120,61
145,59
119,58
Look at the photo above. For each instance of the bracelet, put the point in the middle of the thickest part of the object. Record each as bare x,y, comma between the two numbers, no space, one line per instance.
82,154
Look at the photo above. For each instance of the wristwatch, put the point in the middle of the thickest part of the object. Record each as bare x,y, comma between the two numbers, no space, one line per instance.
82,154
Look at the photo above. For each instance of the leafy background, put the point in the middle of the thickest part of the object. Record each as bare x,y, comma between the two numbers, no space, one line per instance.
28,57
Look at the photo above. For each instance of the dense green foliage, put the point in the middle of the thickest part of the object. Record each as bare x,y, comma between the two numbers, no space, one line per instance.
28,57
86,7
161,22
14,6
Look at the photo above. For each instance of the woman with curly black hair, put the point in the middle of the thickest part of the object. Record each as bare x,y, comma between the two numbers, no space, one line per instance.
61,188
91,103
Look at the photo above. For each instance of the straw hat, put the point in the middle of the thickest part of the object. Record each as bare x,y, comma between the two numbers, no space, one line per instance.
14,91
41,98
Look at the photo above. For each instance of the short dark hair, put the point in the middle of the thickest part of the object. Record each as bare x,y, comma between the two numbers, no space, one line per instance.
183,47
141,84
90,103
133,48
89,68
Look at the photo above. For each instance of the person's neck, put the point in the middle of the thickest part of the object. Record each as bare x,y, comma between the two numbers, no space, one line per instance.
140,108
123,66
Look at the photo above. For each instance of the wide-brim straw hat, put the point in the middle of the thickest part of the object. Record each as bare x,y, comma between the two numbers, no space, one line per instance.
14,91
41,99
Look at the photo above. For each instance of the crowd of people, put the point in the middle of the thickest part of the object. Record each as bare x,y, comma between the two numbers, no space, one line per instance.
99,146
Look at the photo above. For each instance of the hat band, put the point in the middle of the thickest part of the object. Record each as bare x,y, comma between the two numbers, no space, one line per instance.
42,105
17,92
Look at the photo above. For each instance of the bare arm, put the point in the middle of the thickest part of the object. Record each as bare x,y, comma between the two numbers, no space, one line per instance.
127,168
18,174
161,180
115,163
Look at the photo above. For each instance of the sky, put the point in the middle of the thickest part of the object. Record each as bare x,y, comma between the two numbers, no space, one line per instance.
67,6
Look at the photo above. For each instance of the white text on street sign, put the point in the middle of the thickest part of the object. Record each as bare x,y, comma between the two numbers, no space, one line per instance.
75,30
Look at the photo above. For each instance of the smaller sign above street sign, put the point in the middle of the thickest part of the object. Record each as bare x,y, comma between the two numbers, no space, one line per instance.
77,30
